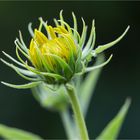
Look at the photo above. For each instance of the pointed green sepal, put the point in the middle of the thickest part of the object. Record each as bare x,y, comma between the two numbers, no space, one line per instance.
30,29
12,59
90,43
24,86
84,33
88,69
101,48
75,26
22,72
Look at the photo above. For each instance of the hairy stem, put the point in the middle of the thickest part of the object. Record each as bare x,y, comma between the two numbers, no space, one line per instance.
78,116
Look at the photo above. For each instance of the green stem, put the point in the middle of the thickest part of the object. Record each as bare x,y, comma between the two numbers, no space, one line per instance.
79,119
68,124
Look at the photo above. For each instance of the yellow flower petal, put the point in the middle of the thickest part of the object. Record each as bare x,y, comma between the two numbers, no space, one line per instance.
40,38
51,32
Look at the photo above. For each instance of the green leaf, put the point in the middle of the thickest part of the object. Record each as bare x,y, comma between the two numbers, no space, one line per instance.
101,48
112,129
16,134
88,85
24,86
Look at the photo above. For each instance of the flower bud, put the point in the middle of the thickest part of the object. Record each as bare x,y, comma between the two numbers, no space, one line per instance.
57,56
56,53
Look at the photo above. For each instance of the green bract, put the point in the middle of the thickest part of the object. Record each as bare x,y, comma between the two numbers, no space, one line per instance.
58,56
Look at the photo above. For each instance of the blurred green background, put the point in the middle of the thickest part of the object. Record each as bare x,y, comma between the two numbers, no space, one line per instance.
119,79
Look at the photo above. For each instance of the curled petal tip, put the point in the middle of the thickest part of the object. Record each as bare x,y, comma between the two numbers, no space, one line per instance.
61,11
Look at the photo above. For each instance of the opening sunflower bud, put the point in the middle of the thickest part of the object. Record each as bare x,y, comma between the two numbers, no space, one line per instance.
58,55
55,53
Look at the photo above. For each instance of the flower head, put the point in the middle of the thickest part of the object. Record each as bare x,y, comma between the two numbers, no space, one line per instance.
54,53
58,55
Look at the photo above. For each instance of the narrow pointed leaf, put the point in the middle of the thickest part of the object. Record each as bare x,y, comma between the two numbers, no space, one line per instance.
113,128
16,134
